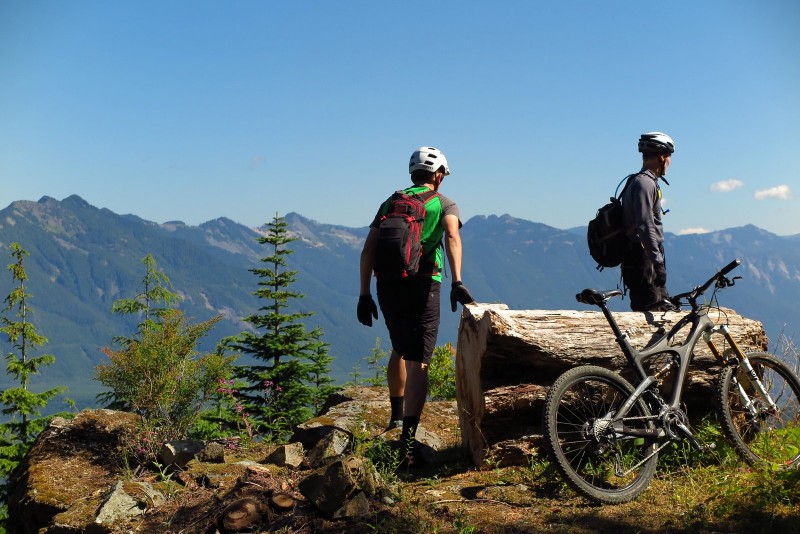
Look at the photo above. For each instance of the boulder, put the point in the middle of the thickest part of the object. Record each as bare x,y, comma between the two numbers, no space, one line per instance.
329,488
69,470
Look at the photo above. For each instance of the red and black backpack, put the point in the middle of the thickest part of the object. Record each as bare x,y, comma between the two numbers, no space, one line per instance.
399,247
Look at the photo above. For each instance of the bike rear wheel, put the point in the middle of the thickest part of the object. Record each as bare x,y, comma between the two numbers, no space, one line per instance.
761,433
596,461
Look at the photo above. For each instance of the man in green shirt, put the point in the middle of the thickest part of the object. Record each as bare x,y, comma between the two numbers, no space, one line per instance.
411,305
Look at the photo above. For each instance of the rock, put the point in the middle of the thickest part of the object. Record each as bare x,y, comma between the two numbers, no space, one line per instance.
213,452
290,455
118,507
356,507
179,453
331,446
330,487
71,477
355,409
68,469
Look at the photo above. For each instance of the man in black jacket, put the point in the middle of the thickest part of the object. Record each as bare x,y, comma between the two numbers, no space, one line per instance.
644,269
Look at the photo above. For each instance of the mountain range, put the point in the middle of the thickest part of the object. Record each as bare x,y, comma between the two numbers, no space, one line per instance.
83,258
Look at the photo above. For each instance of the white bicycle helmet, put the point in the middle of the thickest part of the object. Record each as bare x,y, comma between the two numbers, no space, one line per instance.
656,142
427,158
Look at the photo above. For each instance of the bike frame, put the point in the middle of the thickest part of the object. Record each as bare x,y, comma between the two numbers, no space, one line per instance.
701,326
664,420
682,354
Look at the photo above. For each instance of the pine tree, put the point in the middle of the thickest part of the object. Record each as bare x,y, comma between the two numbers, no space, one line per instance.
374,359
21,407
153,303
320,370
279,392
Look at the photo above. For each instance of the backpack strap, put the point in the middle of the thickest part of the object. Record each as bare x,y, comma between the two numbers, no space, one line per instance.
426,196
427,257
627,181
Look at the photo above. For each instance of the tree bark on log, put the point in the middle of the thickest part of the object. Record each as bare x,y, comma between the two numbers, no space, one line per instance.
507,359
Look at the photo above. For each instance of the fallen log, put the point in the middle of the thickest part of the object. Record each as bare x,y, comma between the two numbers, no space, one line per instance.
507,359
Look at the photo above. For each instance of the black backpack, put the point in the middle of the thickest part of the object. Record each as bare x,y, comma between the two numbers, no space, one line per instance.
399,249
606,234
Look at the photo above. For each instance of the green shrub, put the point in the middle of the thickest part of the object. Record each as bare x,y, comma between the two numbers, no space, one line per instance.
442,374
161,377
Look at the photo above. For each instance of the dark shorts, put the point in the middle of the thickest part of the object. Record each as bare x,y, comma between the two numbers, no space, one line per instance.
411,310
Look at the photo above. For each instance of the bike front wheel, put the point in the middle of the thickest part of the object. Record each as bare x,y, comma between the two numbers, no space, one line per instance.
762,428
597,456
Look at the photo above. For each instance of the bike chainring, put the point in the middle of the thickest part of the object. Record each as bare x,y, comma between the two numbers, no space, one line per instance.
675,422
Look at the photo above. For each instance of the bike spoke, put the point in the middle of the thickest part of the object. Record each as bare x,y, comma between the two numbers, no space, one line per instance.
587,440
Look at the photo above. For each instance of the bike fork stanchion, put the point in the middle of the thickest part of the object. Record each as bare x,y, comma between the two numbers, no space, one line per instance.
744,361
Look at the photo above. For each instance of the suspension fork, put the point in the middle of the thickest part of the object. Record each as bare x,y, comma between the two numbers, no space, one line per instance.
743,361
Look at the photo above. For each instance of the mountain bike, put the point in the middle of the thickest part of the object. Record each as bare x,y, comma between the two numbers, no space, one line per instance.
604,434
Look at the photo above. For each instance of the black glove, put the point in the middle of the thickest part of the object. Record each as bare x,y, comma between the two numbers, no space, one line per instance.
366,310
459,293
660,275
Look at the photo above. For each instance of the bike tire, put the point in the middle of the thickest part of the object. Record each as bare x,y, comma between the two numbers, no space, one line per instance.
585,453
766,436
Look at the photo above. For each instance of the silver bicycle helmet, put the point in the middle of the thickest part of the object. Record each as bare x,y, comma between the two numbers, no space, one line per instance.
427,158
656,142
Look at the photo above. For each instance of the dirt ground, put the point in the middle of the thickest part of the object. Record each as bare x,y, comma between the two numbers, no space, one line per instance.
451,496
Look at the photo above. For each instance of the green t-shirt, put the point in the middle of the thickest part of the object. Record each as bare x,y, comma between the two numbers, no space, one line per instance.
432,231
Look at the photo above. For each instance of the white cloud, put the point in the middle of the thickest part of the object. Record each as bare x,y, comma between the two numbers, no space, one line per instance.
725,186
689,231
781,192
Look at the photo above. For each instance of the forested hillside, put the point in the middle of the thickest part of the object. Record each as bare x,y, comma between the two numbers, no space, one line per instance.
83,258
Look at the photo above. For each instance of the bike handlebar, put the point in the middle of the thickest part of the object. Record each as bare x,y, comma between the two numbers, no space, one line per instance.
598,298
692,295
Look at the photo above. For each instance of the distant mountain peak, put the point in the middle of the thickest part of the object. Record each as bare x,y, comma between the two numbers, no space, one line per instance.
75,200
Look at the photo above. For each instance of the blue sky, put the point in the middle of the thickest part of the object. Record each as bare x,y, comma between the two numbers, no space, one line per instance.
196,110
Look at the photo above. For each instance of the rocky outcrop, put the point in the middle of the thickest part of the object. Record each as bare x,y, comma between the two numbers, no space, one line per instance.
72,464
507,359
75,478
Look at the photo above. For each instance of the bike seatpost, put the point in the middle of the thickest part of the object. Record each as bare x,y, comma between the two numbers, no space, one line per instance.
611,321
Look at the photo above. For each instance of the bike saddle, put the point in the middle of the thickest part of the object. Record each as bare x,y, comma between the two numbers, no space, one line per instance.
592,296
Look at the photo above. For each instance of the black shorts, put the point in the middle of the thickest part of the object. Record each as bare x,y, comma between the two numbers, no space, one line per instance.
411,310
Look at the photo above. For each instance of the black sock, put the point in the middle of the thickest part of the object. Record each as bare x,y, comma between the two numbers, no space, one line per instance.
397,408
